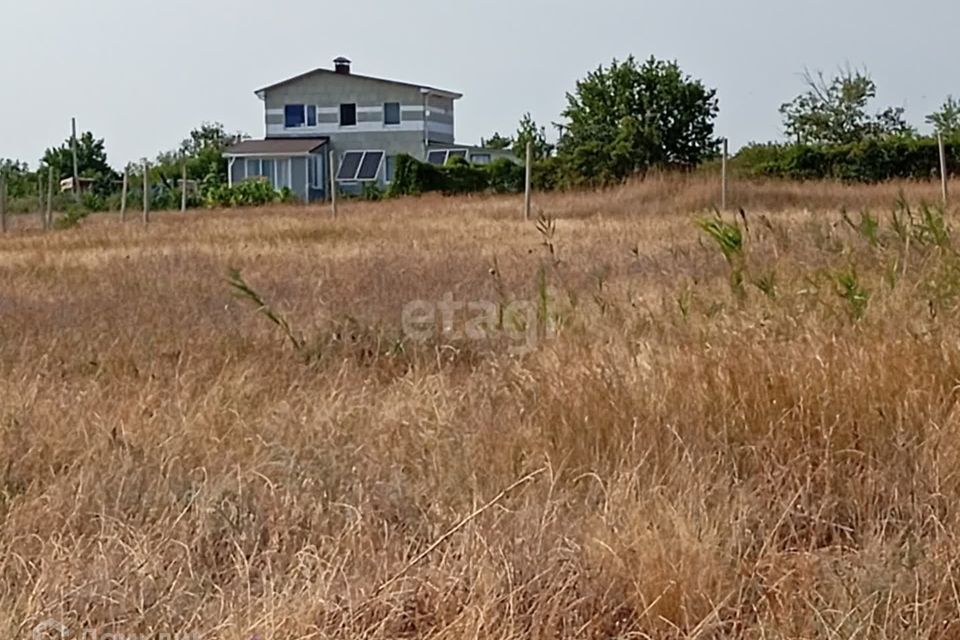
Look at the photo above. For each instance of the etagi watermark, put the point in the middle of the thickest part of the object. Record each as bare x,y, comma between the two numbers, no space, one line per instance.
56,630
520,322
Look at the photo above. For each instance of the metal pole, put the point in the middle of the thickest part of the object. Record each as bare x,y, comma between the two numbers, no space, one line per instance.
146,192
76,171
333,183
943,167
527,179
723,170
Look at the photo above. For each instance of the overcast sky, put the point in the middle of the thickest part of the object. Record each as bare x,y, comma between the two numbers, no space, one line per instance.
142,73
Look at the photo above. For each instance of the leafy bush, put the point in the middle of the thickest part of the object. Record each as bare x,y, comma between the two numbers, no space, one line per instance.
871,160
413,177
249,193
505,176
72,218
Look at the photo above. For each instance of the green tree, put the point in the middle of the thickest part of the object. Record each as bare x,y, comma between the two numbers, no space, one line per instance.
946,120
21,182
91,162
203,151
629,117
835,111
529,132
497,141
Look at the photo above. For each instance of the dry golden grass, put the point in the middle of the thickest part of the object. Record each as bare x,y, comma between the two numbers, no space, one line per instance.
707,464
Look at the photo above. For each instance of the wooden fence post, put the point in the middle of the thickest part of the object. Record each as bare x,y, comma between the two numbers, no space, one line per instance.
333,182
723,171
183,184
40,212
943,168
123,193
76,171
49,212
3,202
528,175
146,192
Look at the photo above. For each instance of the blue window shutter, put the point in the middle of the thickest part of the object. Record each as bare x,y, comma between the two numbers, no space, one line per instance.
293,116
311,115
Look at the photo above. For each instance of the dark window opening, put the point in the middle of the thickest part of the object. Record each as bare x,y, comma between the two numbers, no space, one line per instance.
293,116
348,115
391,113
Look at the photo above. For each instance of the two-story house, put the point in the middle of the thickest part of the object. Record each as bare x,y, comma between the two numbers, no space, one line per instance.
362,122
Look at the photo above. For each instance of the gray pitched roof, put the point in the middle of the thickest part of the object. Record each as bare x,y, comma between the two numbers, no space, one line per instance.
444,92
276,147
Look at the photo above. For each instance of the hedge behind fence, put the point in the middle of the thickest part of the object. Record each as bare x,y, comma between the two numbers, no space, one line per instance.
867,161
412,177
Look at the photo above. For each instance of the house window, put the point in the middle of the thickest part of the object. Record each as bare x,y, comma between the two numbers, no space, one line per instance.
266,170
294,116
480,158
311,115
253,168
390,168
443,156
437,157
391,113
360,166
348,115
283,173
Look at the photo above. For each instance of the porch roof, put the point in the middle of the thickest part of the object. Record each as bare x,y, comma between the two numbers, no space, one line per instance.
276,147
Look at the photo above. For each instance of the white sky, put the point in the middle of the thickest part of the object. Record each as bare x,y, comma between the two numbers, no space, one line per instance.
142,73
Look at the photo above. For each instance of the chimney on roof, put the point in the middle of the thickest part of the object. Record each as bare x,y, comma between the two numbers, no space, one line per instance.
342,65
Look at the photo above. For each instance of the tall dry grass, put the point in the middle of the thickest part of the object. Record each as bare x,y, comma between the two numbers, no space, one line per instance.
773,462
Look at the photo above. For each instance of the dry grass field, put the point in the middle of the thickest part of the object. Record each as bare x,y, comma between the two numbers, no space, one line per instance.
645,439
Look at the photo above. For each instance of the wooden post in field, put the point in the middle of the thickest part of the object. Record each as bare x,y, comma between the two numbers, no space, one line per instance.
40,212
723,178
49,211
76,172
528,174
943,167
123,193
333,183
3,202
183,184
146,192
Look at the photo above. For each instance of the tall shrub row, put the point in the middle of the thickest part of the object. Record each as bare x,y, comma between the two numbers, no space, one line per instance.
413,177
870,160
